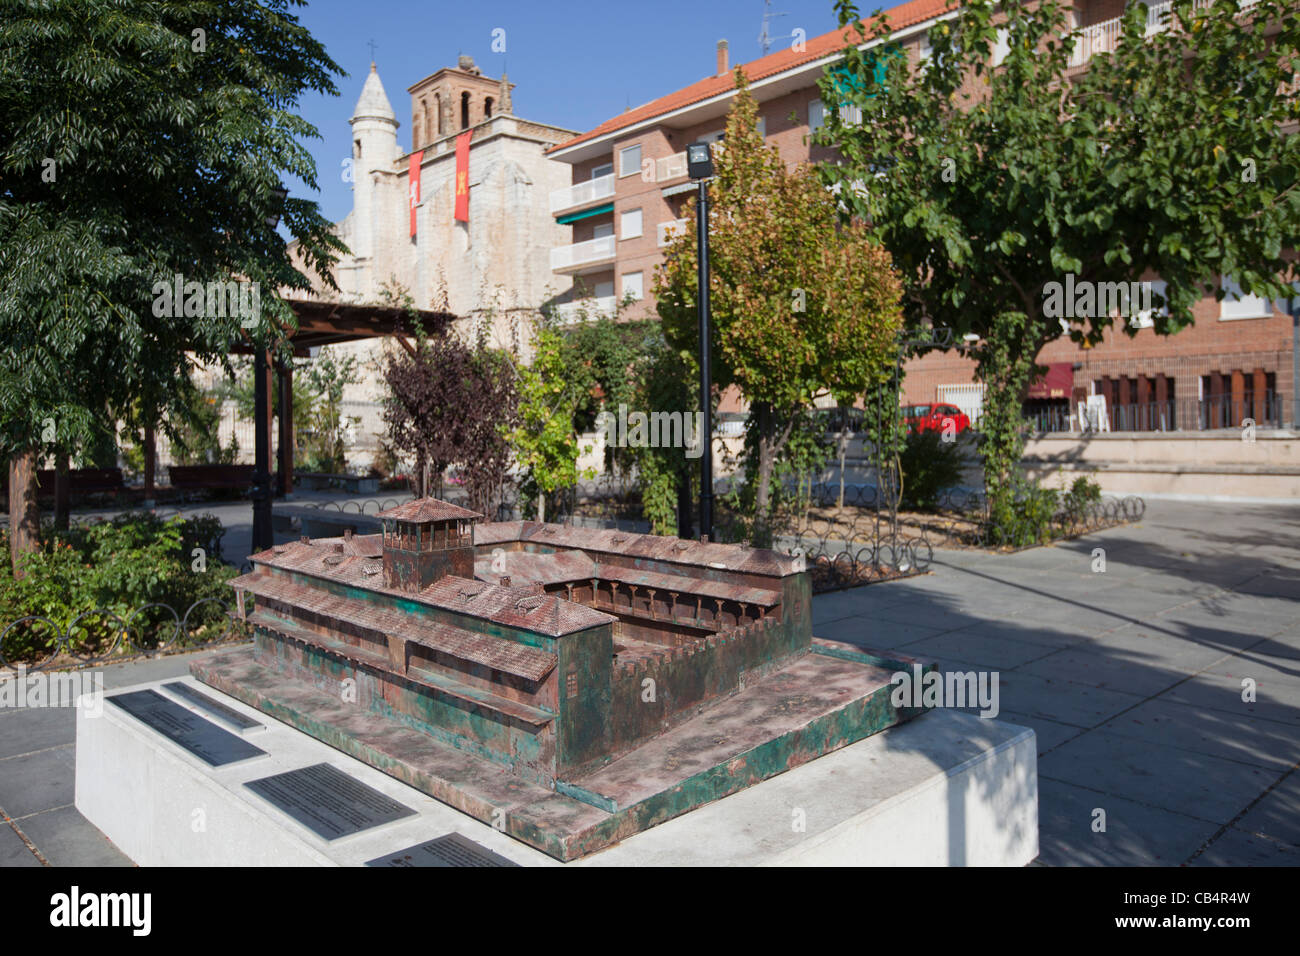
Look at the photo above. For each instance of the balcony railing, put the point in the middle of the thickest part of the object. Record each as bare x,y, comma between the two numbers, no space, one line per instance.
582,194
670,229
582,253
595,307
670,167
1103,37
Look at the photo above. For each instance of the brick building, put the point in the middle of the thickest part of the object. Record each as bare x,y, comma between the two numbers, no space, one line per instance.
629,184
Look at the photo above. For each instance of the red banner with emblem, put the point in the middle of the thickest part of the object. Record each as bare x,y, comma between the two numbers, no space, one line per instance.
462,175
413,185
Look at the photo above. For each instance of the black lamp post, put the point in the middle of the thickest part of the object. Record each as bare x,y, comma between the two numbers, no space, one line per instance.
261,491
699,166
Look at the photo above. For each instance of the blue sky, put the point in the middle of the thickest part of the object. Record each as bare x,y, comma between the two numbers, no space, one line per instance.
573,64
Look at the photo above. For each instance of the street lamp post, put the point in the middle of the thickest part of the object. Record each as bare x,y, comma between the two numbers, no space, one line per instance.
699,165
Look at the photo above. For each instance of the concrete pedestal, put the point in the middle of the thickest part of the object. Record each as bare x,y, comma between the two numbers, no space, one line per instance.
945,788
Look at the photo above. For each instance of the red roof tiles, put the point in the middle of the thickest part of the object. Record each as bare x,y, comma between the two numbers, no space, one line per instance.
901,16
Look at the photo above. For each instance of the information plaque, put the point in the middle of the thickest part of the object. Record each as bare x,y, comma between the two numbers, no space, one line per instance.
329,802
450,850
212,744
223,713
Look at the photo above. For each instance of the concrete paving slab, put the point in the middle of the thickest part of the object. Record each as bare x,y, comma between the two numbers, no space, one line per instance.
1236,848
1277,814
1170,778
1275,699
1240,737
977,646
27,729
37,781
1134,835
13,851
66,838
878,634
1096,667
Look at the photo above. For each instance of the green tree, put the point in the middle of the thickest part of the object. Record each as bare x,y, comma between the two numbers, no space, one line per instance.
142,140
545,439
801,303
986,185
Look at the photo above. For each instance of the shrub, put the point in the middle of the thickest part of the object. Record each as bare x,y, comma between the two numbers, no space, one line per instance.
1025,519
929,466
120,566
1083,494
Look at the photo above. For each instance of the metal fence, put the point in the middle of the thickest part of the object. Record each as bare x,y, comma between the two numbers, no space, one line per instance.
1218,412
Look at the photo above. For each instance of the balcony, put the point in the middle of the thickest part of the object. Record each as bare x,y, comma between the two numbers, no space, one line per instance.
583,256
670,167
582,194
596,307
669,230
1103,37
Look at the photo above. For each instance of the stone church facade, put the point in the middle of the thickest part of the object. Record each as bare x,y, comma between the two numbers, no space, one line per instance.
492,271
497,262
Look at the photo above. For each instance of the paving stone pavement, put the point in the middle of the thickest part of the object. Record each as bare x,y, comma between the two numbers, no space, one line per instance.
1131,677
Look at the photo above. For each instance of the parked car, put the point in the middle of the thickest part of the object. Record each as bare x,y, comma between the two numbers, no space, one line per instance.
934,418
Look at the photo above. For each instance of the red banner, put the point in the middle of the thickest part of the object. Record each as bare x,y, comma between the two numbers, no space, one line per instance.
462,175
413,185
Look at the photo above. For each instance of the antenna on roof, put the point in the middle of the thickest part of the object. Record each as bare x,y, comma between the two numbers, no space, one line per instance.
764,37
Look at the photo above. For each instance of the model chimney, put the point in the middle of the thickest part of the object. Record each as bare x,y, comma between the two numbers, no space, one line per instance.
722,57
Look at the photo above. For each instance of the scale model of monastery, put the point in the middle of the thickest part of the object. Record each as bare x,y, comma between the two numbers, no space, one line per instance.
570,686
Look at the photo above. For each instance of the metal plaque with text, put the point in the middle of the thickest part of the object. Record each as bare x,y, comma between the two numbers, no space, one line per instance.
328,801
213,745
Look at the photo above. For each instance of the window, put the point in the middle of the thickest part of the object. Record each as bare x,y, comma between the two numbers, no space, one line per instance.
487,107
1237,305
606,169
1146,318
604,289
629,161
762,126
632,285
437,109
630,224
602,230
464,111
816,115
1002,47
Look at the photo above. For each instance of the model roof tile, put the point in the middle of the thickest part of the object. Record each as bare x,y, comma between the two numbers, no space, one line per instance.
428,509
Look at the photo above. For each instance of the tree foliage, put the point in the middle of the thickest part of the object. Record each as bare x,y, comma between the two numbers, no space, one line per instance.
545,437
801,303
143,140
452,404
1165,156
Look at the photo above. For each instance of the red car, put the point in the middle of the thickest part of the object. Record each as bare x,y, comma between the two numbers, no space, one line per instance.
934,418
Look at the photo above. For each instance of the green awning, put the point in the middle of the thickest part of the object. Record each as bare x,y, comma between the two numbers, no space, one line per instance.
585,214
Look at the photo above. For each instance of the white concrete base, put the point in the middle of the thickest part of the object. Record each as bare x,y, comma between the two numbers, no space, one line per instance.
946,788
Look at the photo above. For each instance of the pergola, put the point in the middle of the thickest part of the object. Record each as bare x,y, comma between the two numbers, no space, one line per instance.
319,323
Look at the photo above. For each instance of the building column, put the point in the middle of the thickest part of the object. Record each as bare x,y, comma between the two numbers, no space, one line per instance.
1259,389
1238,398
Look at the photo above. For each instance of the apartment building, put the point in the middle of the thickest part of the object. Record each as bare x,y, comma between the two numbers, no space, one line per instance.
629,186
